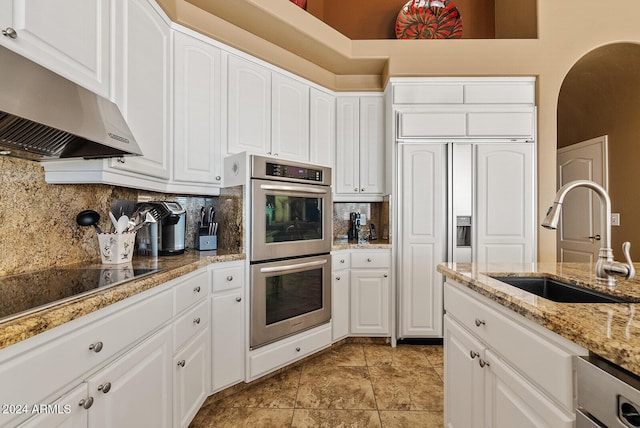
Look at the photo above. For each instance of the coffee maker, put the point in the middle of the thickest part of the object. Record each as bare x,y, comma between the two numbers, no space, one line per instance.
166,236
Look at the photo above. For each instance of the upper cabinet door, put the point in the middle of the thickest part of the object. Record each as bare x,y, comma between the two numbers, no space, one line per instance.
142,86
69,37
347,166
197,113
505,203
248,107
322,128
371,145
290,120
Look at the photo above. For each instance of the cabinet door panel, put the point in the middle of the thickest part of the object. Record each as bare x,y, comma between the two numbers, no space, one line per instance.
501,124
192,367
228,339
290,126
369,302
248,107
142,89
67,413
371,152
197,123
422,237
70,37
463,378
322,125
340,305
347,170
513,402
436,124
140,387
505,203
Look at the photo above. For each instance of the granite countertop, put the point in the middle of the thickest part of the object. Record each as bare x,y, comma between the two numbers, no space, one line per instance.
16,329
610,330
343,244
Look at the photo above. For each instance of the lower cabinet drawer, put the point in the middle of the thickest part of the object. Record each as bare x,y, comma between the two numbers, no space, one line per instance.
287,351
191,288
542,356
370,259
227,277
192,322
34,375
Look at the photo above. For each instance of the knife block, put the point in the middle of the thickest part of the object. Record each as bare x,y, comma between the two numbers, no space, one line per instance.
206,242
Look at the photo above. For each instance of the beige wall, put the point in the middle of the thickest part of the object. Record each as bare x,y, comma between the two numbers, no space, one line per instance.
566,30
601,96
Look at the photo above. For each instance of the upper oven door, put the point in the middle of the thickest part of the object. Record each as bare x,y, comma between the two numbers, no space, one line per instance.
289,219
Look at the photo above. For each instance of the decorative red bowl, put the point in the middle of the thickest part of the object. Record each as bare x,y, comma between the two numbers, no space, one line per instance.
429,19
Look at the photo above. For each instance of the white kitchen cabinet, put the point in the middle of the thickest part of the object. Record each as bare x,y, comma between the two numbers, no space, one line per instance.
267,112
322,127
290,118
340,295
135,390
370,293
248,106
66,412
228,338
73,38
505,202
197,132
359,169
142,92
422,244
191,378
143,87
502,370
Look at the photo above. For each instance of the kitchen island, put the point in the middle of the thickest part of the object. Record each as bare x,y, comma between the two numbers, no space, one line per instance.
610,330
20,327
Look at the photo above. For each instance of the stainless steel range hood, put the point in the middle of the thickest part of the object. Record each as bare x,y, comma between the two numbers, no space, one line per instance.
44,116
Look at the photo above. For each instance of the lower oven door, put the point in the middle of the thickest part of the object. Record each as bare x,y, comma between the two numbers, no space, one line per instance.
289,296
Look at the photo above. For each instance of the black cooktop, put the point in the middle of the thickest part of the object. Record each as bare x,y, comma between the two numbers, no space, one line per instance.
24,293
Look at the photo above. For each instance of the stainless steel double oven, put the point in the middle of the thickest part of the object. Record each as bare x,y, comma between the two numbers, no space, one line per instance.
291,233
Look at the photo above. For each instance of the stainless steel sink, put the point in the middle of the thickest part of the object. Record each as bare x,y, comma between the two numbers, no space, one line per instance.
558,291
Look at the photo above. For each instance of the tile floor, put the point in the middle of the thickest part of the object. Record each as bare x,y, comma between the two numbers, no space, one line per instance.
350,385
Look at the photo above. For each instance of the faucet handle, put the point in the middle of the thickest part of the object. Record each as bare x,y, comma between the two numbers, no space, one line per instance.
626,247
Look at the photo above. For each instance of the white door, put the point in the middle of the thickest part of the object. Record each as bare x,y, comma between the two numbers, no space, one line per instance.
340,305
423,204
290,118
371,152
369,302
192,373
68,411
135,390
463,377
579,227
227,339
322,127
505,228
347,166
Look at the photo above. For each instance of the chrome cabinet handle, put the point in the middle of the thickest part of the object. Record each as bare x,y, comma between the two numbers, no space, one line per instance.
238,299
10,32
596,237
355,189
121,160
342,261
386,275
229,278
196,289
218,178
196,321
369,260
473,354
106,387
96,347
86,403
337,278
362,189
298,349
483,362
181,363
479,322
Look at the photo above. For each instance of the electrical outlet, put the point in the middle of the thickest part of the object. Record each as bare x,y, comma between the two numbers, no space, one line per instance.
615,219
363,219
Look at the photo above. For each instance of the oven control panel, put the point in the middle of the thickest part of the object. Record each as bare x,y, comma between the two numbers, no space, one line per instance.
291,171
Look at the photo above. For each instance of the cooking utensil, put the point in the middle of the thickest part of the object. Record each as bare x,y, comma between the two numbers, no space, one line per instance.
89,218
114,221
148,220
123,223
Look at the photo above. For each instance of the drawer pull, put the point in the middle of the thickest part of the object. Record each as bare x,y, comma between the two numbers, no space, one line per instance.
386,275
96,347
369,260
86,403
337,278
181,363
479,322
238,299
473,354
196,321
342,261
197,289
483,362
105,387
10,32
298,349
230,278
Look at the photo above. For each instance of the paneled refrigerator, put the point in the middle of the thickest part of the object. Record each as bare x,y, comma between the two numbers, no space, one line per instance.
460,202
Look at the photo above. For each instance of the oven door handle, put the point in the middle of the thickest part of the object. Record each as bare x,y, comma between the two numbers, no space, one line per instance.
293,266
298,189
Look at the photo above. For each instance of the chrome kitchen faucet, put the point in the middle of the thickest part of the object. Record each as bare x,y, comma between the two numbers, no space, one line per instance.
606,267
